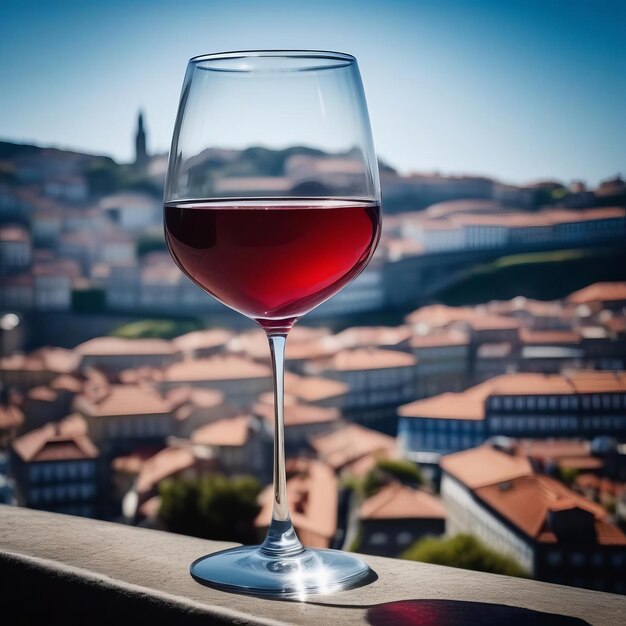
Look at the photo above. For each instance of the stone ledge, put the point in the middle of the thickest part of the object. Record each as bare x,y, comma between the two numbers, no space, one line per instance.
61,569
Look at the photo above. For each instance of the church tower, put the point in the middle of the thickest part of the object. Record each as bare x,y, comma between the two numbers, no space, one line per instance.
141,155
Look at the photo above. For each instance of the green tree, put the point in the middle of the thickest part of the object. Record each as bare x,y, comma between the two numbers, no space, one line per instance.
388,470
211,507
464,551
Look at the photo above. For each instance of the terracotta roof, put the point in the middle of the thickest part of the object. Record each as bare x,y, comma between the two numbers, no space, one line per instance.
527,502
11,417
43,394
231,431
396,501
548,337
536,308
112,346
219,367
440,315
312,495
548,449
150,508
372,336
466,405
131,463
470,404
484,465
54,442
195,397
351,443
360,359
599,292
162,465
66,382
74,424
125,400
14,233
313,389
581,463
203,339
441,339
311,349
59,359
296,414
254,343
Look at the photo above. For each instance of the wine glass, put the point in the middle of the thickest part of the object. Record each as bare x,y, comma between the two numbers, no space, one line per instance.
272,205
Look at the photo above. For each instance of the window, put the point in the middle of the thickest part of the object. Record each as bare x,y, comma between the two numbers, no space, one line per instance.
577,559
378,539
554,558
404,538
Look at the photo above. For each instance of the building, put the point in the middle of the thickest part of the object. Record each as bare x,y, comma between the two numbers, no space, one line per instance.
601,296
395,517
40,367
11,421
353,449
443,361
324,392
141,152
553,533
378,381
201,344
239,379
240,445
196,407
579,404
122,418
114,354
302,421
56,469
15,249
312,495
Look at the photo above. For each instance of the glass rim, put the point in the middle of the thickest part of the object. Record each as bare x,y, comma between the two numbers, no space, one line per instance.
312,60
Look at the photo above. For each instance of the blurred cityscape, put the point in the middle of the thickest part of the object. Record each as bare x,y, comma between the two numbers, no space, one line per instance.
466,395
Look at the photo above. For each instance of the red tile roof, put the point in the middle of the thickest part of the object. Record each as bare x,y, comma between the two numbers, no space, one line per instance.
442,339
296,414
203,339
162,465
396,501
527,502
125,400
484,465
11,417
114,346
231,431
54,442
312,494
313,389
548,337
361,359
372,336
599,292
352,443
470,404
220,367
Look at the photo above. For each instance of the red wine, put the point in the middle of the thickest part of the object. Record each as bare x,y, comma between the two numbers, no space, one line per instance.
272,260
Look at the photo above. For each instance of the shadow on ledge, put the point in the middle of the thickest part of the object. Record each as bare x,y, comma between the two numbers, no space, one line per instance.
459,613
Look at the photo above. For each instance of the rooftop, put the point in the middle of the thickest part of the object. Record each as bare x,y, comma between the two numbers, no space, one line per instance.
231,431
93,571
220,367
396,501
351,443
360,359
113,346
125,400
470,404
313,389
54,442
599,292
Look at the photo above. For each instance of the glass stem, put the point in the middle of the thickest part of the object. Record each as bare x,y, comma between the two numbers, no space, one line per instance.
281,537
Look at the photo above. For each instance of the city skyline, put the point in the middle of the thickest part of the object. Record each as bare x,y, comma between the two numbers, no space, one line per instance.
537,87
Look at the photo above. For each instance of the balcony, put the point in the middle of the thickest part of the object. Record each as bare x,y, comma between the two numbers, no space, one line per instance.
70,570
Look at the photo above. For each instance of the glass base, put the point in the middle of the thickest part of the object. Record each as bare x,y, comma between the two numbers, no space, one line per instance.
251,570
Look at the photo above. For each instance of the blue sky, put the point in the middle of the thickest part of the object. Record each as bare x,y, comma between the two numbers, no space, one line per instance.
515,89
